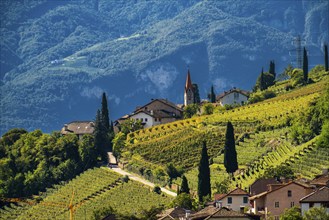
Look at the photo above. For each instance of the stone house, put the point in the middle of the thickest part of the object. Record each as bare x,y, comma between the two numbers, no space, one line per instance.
316,199
236,200
279,197
79,128
233,96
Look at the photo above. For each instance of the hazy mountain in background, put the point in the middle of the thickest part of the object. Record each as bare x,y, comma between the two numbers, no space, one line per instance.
57,57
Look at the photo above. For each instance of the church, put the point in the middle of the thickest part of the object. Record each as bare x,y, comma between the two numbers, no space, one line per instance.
189,91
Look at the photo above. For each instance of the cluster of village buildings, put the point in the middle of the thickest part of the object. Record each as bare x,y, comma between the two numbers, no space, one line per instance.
267,199
160,111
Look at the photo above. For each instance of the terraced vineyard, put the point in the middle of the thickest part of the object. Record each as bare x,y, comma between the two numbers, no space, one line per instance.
93,190
310,163
249,150
179,142
282,155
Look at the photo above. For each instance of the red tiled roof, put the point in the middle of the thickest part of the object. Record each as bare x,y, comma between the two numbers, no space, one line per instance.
243,92
225,212
173,213
164,101
268,192
236,191
321,195
321,180
213,212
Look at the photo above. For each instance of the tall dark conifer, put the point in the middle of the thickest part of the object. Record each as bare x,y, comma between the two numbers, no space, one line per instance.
99,134
326,57
230,156
272,69
196,93
262,83
184,187
212,95
305,65
105,113
204,188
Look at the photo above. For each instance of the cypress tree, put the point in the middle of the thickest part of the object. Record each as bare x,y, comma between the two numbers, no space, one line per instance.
272,71
99,135
212,95
105,113
184,187
204,174
262,85
326,57
196,93
305,66
230,156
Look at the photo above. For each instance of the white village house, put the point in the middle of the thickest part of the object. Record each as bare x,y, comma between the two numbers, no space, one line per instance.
236,199
158,111
233,96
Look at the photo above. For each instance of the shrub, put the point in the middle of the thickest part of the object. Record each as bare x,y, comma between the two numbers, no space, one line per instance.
157,189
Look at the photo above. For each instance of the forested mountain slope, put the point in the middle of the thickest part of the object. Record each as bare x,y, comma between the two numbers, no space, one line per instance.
58,56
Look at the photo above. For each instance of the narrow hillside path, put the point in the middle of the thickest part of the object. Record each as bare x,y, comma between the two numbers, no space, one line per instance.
136,178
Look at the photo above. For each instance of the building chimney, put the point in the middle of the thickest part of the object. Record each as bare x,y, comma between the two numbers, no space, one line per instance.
187,214
218,204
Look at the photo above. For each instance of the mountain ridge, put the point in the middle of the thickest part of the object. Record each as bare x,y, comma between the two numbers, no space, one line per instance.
149,49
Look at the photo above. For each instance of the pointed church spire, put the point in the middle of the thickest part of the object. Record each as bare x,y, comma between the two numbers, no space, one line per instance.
188,84
188,93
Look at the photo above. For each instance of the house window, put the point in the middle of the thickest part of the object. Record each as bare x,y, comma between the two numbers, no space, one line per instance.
245,199
160,119
145,119
289,193
311,204
292,204
155,119
229,200
276,204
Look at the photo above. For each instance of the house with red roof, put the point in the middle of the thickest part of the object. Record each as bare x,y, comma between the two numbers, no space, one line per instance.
223,213
236,199
279,197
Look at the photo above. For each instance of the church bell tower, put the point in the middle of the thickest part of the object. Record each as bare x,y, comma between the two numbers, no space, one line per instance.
188,93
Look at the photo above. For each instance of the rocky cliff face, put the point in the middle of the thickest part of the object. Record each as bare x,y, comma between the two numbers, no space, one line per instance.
58,57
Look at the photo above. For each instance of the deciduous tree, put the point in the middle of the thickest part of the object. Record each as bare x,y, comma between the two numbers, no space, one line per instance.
292,213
